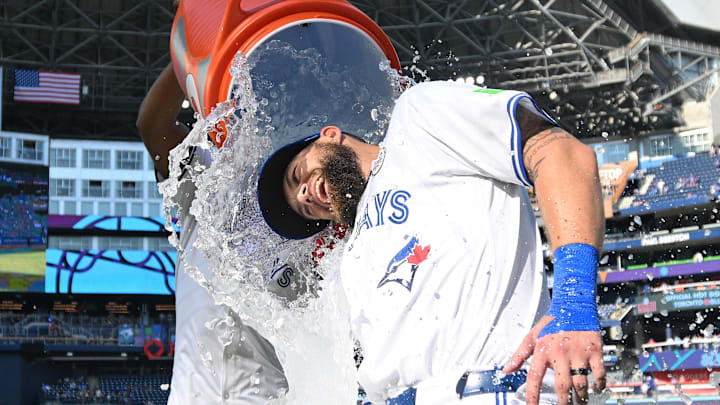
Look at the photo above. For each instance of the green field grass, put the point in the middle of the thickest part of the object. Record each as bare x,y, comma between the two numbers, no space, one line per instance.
23,262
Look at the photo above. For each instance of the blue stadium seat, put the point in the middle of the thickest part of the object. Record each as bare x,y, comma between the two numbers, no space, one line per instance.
680,191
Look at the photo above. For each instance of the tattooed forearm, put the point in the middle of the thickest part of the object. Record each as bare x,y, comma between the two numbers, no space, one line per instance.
534,169
535,150
538,134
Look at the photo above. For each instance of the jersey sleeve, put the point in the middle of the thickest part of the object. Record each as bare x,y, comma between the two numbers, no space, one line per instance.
476,126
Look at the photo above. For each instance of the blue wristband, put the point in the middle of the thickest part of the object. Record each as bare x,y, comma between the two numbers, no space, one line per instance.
574,289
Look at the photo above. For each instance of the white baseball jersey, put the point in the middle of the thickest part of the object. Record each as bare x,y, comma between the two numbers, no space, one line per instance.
443,270
245,372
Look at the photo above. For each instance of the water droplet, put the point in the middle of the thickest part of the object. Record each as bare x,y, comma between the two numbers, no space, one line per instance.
374,114
358,108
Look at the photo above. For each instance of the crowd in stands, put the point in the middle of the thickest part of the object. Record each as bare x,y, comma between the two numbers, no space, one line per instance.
136,390
19,218
674,183
74,328
683,182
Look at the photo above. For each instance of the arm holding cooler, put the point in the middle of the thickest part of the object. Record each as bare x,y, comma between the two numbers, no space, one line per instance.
157,119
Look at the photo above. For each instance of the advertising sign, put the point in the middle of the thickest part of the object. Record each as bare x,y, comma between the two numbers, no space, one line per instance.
699,376
671,360
613,177
679,301
97,271
657,240
649,273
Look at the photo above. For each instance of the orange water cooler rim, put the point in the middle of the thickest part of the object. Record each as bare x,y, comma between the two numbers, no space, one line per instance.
250,30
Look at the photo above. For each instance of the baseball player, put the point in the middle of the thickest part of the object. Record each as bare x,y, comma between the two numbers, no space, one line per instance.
207,370
443,266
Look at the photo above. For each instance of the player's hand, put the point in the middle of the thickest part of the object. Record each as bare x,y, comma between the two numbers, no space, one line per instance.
560,351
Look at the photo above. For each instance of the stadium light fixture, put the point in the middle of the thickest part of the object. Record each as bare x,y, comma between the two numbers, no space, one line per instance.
553,95
185,104
480,79
470,80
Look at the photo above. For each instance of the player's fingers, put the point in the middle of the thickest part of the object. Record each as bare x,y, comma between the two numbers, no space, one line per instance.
563,382
598,370
521,354
578,371
535,375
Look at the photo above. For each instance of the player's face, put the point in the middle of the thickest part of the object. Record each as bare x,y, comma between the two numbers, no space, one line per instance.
324,181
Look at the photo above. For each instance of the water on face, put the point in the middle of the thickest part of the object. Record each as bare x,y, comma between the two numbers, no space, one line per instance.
307,322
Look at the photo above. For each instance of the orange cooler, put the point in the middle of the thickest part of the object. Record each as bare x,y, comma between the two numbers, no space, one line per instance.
313,63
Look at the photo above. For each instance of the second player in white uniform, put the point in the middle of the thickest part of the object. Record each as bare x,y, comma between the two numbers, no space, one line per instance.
218,359
228,364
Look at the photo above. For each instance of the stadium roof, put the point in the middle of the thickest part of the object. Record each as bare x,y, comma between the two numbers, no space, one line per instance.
608,67
698,13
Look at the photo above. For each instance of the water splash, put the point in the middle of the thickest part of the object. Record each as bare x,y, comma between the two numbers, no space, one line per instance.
306,321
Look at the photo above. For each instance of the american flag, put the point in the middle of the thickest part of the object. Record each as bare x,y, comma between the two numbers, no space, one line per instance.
35,86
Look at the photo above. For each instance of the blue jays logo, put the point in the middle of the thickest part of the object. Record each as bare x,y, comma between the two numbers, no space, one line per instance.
402,267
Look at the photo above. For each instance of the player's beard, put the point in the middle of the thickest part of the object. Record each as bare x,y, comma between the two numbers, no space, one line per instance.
341,169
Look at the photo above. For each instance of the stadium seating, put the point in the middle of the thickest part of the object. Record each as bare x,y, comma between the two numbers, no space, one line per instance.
676,183
19,220
137,388
52,327
111,389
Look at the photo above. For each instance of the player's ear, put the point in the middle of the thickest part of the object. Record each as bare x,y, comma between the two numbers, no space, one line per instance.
331,134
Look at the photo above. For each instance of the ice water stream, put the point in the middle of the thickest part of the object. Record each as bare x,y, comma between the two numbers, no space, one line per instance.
307,321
